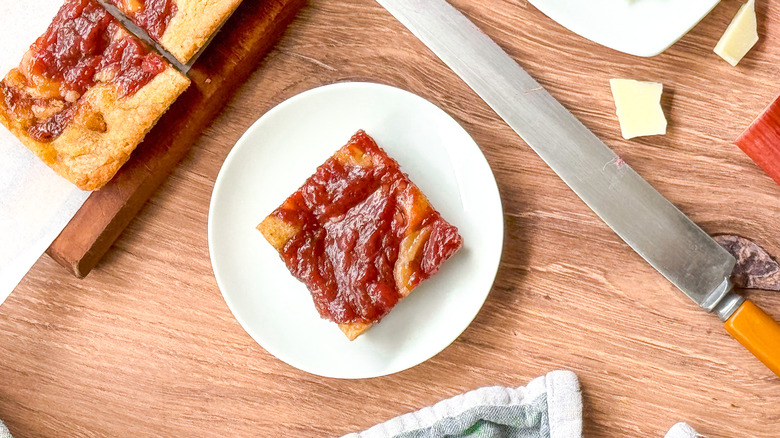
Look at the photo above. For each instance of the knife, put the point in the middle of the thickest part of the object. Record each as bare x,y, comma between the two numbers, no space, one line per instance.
674,245
141,34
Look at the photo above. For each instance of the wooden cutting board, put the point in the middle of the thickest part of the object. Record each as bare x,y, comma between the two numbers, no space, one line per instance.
227,62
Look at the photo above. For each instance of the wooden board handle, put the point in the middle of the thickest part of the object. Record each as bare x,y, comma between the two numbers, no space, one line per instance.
758,332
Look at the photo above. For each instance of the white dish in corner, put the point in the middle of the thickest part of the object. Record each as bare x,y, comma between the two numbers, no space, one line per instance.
274,157
637,27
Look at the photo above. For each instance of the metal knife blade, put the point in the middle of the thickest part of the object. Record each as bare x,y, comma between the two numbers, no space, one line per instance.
641,216
144,36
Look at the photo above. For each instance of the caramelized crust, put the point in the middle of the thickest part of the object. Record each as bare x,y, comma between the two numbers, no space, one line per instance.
104,131
360,235
278,233
86,93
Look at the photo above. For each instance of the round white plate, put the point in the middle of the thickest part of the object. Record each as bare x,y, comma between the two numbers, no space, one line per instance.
273,159
637,27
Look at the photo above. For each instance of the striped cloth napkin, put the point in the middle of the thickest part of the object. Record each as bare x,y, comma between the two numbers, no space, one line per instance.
548,407
4,433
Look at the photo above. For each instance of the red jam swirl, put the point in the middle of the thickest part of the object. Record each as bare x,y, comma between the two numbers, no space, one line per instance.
352,220
82,46
152,16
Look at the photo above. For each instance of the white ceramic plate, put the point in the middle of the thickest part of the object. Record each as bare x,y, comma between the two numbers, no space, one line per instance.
638,27
276,155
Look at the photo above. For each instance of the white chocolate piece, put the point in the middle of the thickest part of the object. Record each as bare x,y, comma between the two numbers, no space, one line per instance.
740,36
638,107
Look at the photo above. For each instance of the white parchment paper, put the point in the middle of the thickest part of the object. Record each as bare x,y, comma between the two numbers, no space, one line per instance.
35,203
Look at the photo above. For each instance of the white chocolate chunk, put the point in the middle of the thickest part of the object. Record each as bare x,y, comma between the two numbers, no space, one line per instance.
638,107
740,36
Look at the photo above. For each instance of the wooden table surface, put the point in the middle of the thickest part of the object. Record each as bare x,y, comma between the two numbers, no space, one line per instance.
147,346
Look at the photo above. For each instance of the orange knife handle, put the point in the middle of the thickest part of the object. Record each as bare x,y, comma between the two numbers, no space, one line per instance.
758,332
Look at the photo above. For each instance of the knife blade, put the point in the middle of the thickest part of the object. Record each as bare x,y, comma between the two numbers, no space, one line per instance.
141,34
672,243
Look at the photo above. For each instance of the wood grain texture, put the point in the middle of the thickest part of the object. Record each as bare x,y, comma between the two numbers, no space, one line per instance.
147,345
245,38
